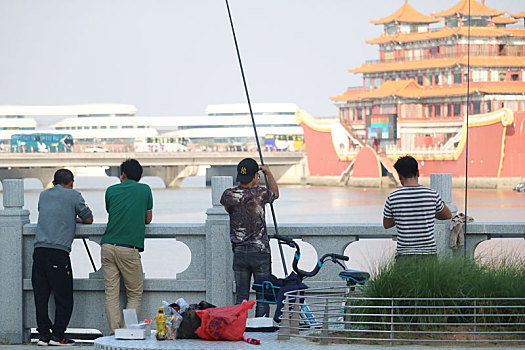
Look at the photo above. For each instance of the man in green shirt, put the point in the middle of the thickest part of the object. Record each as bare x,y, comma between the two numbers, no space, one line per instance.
129,206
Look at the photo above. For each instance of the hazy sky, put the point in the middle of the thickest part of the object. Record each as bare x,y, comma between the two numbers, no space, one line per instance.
173,57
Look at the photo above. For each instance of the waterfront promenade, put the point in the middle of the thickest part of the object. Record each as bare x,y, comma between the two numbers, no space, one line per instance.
268,341
208,275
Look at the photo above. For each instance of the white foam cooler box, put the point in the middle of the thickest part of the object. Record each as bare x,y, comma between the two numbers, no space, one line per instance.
130,333
133,330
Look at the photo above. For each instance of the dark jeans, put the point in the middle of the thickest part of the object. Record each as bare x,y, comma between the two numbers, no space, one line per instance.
52,273
248,261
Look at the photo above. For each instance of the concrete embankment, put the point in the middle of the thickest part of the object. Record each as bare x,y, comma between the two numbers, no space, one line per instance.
478,183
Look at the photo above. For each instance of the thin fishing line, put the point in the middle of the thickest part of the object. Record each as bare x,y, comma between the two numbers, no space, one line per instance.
255,131
467,139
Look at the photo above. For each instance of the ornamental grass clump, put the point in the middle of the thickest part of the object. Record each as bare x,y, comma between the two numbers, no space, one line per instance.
440,278
449,278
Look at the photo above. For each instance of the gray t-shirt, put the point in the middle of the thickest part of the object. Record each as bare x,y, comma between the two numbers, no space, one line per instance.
58,208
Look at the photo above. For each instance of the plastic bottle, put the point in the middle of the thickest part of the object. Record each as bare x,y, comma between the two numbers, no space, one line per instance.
161,324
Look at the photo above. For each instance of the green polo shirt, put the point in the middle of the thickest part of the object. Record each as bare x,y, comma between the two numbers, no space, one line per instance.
127,204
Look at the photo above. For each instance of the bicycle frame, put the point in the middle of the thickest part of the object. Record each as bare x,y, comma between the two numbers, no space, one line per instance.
351,277
335,258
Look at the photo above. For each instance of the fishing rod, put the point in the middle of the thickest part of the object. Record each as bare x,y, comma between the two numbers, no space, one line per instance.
256,137
466,136
89,254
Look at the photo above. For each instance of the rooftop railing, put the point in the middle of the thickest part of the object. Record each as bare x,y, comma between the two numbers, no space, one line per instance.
441,55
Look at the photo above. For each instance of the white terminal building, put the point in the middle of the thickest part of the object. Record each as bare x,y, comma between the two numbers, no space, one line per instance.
232,123
112,123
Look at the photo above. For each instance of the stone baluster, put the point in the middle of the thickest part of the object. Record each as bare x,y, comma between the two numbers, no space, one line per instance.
442,184
12,219
219,274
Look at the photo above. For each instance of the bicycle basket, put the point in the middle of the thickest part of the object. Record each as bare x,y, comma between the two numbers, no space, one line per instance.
267,288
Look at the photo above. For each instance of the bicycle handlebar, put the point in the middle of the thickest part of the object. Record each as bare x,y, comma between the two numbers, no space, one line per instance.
341,257
286,240
301,273
332,257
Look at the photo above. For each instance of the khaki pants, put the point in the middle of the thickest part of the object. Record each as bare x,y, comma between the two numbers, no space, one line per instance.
123,261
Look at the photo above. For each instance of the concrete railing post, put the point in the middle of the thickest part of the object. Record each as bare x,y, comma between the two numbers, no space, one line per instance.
219,274
12,219
442,184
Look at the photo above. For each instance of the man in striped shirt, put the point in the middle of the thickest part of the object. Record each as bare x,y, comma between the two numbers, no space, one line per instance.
412,209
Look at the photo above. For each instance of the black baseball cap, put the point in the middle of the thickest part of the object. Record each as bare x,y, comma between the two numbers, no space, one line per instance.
246,170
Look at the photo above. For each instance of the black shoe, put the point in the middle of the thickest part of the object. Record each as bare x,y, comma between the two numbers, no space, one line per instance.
44,340
58,341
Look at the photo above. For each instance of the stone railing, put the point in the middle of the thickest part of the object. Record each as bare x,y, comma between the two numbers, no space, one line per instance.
209,275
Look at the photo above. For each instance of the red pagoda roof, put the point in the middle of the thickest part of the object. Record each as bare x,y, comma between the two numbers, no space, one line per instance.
516,32
462,8
411,89
389,88
504,20
406,14
447,32
495,87
475,61
519,15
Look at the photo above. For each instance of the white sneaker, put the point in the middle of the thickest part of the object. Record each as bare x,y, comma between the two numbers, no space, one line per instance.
43,341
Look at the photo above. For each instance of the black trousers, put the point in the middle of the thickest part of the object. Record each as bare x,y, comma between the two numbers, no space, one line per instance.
52,273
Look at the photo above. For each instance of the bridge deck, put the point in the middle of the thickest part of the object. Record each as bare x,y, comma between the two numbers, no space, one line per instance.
21,160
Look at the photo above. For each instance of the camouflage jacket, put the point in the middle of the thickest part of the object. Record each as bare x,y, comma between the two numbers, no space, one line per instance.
247,215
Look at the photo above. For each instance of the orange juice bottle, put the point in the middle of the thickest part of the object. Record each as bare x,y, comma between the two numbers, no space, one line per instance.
161,324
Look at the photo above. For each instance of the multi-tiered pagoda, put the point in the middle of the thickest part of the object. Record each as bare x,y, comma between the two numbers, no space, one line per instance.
414,99
420,79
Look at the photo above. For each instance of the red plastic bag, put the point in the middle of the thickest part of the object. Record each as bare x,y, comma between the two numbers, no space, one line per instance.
224,323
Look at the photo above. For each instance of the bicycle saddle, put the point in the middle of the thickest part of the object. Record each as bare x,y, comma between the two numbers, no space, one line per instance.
355,275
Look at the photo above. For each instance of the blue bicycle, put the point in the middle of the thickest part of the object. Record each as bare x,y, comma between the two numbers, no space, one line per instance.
271,289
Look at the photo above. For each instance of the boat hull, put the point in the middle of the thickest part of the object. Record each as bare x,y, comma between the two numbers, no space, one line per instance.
496,149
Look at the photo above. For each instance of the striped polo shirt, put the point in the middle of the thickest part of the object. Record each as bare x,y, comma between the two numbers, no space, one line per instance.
414,209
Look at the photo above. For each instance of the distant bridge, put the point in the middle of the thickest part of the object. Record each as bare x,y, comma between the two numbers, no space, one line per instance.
172,168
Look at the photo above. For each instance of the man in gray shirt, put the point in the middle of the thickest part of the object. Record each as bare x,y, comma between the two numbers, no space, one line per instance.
59,209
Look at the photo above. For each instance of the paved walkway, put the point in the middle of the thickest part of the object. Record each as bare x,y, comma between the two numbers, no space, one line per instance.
268,341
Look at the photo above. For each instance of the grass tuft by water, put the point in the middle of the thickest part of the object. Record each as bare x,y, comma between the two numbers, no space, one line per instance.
450,278
455,319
